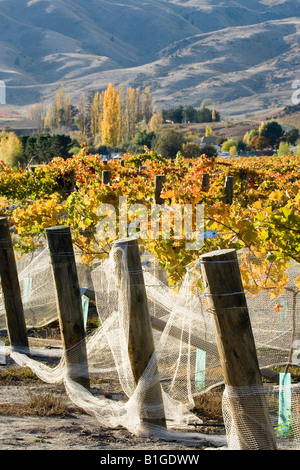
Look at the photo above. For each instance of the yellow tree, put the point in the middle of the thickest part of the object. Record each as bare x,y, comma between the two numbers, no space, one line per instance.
122,117
110,121
138,104
60,111
59,106
67,111
156,122
246,138
11,150
213,114
131,113
147,105
208,131
49,121
82,117
96,112
260,127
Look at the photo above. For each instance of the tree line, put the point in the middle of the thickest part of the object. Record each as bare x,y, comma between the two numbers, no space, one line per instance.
268,135
190,114
108,117
40,148
113,116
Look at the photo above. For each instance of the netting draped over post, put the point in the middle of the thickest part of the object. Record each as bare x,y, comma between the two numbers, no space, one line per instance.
186,361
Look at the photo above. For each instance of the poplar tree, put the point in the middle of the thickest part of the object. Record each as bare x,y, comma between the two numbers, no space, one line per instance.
96,113
156,122
82,117
147,110
110,121
131,113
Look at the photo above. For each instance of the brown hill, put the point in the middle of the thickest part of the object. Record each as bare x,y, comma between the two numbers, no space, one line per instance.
243,54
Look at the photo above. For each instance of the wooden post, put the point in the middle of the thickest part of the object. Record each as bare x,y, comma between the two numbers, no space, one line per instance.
140,342
11,291
205,182
71,183
106,176
229,189
235,342
69,303
245,177
159,183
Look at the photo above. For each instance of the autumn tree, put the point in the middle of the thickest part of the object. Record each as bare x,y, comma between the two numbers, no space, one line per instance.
49,121
156,122
11,149
284,149
249,135
226,146
147,110
122,117
213,114
36,113
59,113
192,150
81,120
96,113
131,113
134,107
208,131
258,142
110,121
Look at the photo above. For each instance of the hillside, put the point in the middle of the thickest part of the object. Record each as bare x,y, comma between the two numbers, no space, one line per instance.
243,54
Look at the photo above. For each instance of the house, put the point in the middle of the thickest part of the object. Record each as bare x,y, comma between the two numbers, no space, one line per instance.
207,140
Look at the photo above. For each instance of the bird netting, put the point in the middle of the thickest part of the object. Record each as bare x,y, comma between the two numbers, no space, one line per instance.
185,363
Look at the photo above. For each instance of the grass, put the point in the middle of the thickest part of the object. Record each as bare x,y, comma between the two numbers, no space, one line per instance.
17,375
209,406
45,404
48,404
42,404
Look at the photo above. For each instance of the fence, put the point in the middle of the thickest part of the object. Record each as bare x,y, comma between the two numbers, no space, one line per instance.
234,342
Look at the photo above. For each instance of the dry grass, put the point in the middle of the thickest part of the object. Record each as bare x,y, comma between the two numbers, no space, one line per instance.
17,375
209,406
48,404
45,404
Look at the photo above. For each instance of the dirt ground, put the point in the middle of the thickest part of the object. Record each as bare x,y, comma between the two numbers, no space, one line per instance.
74,429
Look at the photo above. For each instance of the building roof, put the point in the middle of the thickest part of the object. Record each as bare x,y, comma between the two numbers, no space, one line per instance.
207,140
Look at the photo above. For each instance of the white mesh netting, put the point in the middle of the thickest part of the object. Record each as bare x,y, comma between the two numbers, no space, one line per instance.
185,363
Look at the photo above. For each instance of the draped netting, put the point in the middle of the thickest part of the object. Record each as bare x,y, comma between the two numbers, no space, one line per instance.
185,362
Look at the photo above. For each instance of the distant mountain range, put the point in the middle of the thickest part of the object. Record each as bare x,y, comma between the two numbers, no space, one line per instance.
243,54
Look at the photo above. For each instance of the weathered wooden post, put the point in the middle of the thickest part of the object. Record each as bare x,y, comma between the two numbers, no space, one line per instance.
12,299
159,184
106,177
236,346
205,182
69,303
245,177
71,183
140,341
229,189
